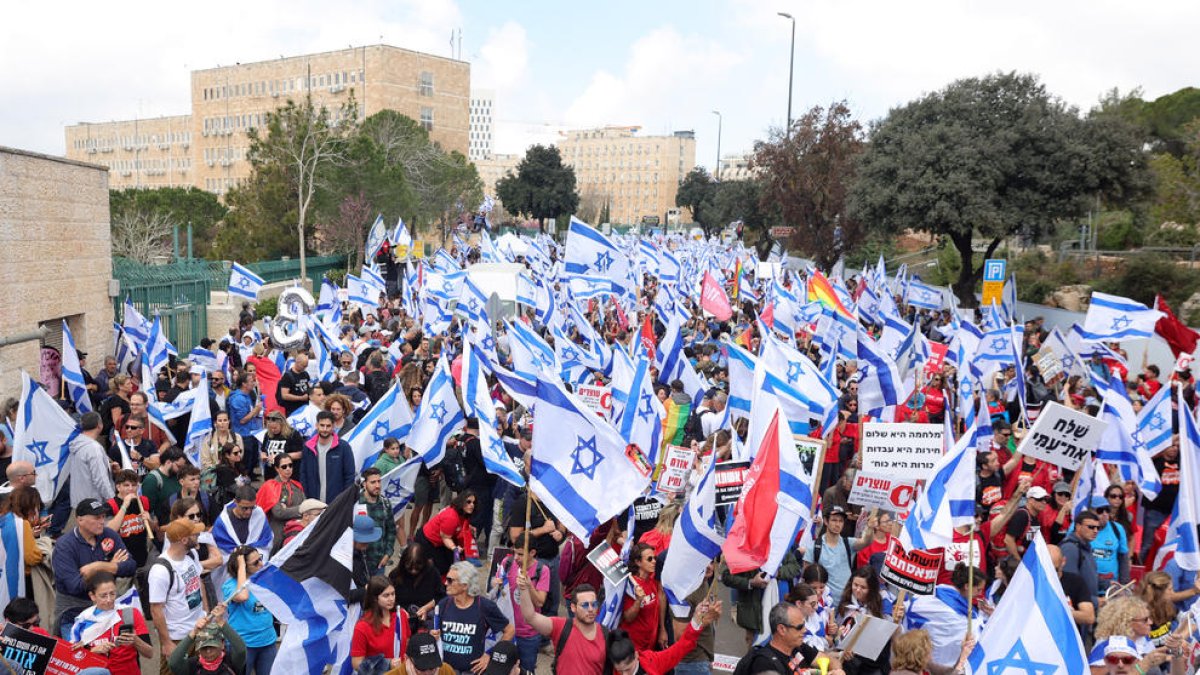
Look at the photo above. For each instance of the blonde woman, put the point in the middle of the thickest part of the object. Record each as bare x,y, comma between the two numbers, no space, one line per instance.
1127,617
1155,589
912,654
660,537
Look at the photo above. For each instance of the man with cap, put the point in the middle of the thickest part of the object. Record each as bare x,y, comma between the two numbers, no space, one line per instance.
89,548
835,551
1110,546
209,636
366,532
422,657
309,510
504,660
176,594
1026,522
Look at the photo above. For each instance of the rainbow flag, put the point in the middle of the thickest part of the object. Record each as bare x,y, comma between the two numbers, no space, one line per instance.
673,423
821,290
737,281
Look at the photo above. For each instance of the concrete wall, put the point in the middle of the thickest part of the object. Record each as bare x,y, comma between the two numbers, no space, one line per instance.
55,258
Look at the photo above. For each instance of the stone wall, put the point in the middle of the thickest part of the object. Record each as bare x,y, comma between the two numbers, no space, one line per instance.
55,258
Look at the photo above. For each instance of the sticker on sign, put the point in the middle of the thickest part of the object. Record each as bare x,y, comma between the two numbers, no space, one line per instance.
878,492
598,399
1062,436
901,450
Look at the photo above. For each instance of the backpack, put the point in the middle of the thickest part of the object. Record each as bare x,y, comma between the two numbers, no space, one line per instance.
693,428
453,469
562,643
820,543
142,578
763,651
208,480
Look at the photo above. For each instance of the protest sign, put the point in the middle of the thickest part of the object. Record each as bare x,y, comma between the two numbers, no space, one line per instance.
597,399
67,661
725,662
677,464
498,554
1062,436
607,561
901,450
36,654
937,357
866,635
915,571
811,451
730,477
1048,363
877,492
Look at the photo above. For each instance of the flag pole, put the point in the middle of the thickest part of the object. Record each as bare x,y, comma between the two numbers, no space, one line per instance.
971,580
716,574
528,515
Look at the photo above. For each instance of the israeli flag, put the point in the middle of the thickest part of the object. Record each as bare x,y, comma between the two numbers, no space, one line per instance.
589,252
72,373
445,287
580,467
923,296
390,417
244,283
640,419
478,401
1185,520
400,235
361,291
376,238
1120,444
531,356
200,424
136,326
12,558
124,348
472,303
329,297
399,485
205,358
1154,422
695,542
1111,317
948,500
1031,629
438,416
741,378
880,383
586,287
42,436
157,349
673,364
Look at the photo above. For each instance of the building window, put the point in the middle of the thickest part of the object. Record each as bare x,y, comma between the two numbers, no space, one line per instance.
427,119
426,83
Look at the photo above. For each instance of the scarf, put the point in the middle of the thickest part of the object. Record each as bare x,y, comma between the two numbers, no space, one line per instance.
212,665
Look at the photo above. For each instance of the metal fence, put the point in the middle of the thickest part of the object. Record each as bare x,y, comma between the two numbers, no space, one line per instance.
179,291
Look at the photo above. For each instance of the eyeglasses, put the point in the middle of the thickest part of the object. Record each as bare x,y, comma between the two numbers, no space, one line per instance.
236,453
451,580
1116,496
133,427
1093,527
798,626
285,466
1044,500
1117,659
193,516
588,604
1142,619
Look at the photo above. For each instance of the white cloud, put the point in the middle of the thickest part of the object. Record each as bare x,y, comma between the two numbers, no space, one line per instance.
503,60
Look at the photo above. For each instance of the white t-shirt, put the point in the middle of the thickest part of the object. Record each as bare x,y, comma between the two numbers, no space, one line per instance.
184,605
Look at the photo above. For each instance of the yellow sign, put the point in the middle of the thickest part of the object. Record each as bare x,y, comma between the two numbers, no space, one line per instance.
401,252
993,293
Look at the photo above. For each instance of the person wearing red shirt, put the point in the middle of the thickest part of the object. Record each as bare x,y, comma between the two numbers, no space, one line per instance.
844,442
1056,519
1038,472
643,615
120,646
449,532
1026,522
1149,384
961,550
935,400
881,527
582,650
1002,440
627,659
383,631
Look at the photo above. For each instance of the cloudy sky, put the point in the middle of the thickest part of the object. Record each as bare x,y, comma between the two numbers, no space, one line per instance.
662,64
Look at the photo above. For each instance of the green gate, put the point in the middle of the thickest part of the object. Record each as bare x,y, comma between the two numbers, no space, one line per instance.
176,292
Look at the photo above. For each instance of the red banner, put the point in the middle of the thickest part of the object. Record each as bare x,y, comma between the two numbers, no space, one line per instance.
915,571
713,299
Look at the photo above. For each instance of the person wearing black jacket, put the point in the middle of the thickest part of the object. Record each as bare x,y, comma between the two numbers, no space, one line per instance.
786,652
477,479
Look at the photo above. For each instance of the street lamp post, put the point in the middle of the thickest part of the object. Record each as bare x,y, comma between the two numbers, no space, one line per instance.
791,69
718,166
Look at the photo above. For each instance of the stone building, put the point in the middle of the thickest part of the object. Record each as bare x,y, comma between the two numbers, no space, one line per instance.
55,260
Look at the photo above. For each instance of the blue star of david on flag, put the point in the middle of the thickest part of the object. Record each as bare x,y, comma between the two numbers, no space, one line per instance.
604,260
793,373
303,427
999,344
244,282
496,446
1120,322
447,286
1018,659
647,410
1157,423
438,411
1067,362
39,448
394,490
380,432
473,305
488,343
569,354
585,465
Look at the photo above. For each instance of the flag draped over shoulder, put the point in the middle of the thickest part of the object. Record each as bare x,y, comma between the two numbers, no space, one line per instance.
1031,629
306,585
12,558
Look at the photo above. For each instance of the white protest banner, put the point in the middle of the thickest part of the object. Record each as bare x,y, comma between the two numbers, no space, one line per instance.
811,451
877,492
677,464
901,450
597,399
1062,436
1048,363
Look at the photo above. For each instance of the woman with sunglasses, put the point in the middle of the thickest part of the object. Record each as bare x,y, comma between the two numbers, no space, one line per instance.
643,615
246,615
1118,509
1127,618
222,435
228,473
280,497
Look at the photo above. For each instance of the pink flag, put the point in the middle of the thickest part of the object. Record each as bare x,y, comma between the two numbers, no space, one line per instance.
713,299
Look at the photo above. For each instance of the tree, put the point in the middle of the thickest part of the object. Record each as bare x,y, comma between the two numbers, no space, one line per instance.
742,200
1177,181
807,174
696,193
141,234
541,188
449,189
993,157
257,207
344,233
177,206
306,142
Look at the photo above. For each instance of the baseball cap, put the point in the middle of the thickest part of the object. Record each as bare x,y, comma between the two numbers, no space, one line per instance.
504,657
1119,644
423,650
92,507
836,511
1037,492
365,530
182,528
311,504
1062,487
209,638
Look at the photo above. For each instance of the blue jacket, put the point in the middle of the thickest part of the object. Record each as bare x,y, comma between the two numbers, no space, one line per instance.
71,552
339,469
239,405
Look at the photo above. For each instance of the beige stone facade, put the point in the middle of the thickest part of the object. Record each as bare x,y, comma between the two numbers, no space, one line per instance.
149,153
737,167
493,168
229,100
55,259
637,176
